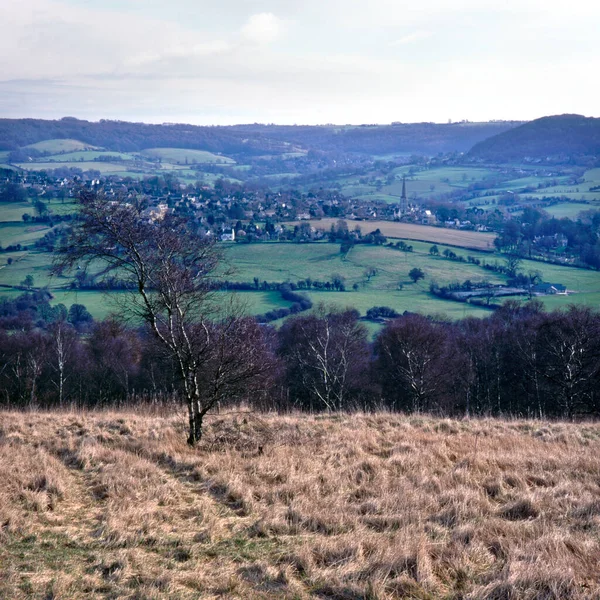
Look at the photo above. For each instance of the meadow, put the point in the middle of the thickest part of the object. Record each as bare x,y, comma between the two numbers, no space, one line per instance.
365,506
436,181
181,155
432,182
57,146
14,211
570,210
279,262
77,155
411,231
89,155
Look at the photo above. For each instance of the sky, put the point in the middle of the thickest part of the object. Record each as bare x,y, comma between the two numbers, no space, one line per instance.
219,62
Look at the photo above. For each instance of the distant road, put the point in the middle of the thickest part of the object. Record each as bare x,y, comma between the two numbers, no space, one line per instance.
410,231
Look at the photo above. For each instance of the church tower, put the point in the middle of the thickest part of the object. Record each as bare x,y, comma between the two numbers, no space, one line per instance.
403,199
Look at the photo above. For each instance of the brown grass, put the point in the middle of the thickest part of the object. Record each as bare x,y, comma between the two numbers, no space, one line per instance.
107,505
411,231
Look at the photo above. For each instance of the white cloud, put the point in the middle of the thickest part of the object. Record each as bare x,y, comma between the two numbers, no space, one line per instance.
415,36
262,28
214,60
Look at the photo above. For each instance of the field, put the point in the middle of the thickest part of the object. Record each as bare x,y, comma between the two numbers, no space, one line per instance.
278,262
104,167
103,305
88,155
568,209
185,164
434,182
349,507
60,145
14,211
410,231
181,155
21,233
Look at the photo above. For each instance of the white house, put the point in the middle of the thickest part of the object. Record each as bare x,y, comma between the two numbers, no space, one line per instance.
228,235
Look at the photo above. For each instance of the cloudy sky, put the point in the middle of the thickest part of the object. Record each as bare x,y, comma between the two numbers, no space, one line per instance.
299,61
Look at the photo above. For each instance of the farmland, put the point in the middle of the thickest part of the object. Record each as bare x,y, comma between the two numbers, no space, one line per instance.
57,146
410,231
111,504
14,211
279,262
570,210
180,156
73,154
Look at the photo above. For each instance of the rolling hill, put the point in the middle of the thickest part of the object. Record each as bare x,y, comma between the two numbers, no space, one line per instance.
252,140
555,140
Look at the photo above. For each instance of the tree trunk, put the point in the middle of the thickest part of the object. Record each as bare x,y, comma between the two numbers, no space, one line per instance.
195,418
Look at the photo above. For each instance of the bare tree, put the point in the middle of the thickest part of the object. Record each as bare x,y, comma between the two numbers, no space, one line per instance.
412,361
63,340
370,272
325,354
169,272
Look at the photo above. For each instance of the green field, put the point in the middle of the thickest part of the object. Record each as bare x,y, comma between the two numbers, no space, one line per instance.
104,168
278,262
281,262
88,155
21,233
61,145
422,182
285,261
27,263
102,304
14,211
180,155
569,209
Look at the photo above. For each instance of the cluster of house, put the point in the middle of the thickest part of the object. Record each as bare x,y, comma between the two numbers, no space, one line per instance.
221,209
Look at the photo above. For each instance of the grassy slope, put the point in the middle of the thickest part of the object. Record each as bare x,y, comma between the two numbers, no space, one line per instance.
103,305
179,155
103,167
60,145
87,156
438,235
376,506
281,262
14,211
568,209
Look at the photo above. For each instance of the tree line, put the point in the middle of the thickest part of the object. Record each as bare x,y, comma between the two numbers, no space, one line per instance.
521,362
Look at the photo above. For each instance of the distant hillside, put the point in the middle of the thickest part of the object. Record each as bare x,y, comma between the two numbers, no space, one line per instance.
249,140
558,139
426,138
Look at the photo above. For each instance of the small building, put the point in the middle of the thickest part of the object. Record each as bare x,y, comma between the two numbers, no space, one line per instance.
549,289
228,235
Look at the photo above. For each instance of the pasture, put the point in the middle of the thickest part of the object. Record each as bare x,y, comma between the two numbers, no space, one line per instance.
21,233
61,145
104,167
184,156
89,155
102,304
298,507
14,211
570,210
279,262
409,231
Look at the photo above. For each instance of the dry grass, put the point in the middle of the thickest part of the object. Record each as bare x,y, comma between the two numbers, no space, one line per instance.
107,505
411,231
